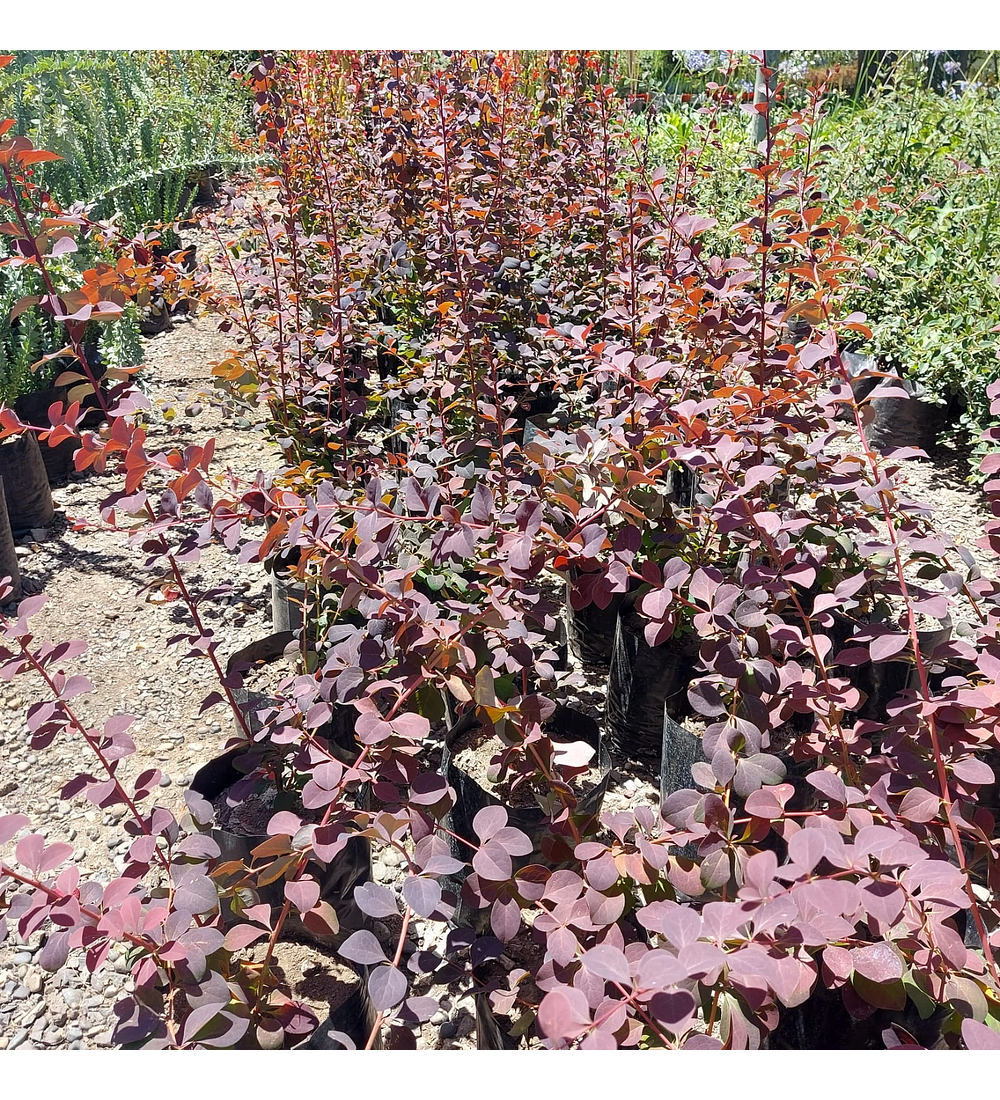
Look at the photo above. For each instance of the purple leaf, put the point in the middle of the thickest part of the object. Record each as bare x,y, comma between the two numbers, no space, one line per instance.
11,825
919,805
877,962
492,862
700,1041
284,824
978,1036
196,894
377,901
887,645
386,986
54,855
563,1013
807,847
673,1009
882,900
658,969
29,850
422,895
362,947
242,935
55,952
505,919
303,894
489,820
829,784
972,770
513,841
655,604
329,841
428,789
607,962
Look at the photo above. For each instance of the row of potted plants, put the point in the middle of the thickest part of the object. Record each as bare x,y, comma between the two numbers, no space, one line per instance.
437,255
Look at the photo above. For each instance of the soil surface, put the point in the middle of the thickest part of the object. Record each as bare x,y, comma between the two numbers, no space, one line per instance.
315,975
474,751
105,594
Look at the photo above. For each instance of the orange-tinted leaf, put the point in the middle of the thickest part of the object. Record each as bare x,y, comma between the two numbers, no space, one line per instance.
35,156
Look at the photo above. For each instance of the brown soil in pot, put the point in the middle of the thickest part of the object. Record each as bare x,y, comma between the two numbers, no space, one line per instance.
314,975
521,953
474,749
249,817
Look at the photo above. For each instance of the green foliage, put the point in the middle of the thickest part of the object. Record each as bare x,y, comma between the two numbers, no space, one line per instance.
25,340
932,298
135,132
931,293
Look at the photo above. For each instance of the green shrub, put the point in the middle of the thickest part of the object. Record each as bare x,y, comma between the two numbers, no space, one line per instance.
931,291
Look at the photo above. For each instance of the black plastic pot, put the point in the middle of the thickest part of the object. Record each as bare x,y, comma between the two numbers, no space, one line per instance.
590,630
679,750
287,599
897,421
532,403
33,408
350,868
155,318
25,484
491,1029
353,865
823,1023
338,732
643,682
543,424
470,797
8,556
490,1034
683,483
883,681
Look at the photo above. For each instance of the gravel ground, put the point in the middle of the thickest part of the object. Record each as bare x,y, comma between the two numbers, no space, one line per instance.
99,587
100,584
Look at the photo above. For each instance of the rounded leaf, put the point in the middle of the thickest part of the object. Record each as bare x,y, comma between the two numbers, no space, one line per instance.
489,820
362,947
422,895
386,986
492,862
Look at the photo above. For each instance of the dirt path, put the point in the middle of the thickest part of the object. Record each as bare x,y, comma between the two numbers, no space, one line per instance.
97,582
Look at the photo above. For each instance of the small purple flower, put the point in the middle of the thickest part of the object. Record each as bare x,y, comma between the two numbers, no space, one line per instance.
935,53
952,67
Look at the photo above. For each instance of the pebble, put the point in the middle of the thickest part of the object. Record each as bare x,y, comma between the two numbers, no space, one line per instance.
21,957
35,982
73,1034
21,993
165,780
448,1030
72,997
18,1039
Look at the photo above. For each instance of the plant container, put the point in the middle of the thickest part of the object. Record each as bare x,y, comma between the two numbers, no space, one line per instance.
25,484
471,796
643,682
590,630
8,555
33,409
350,868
